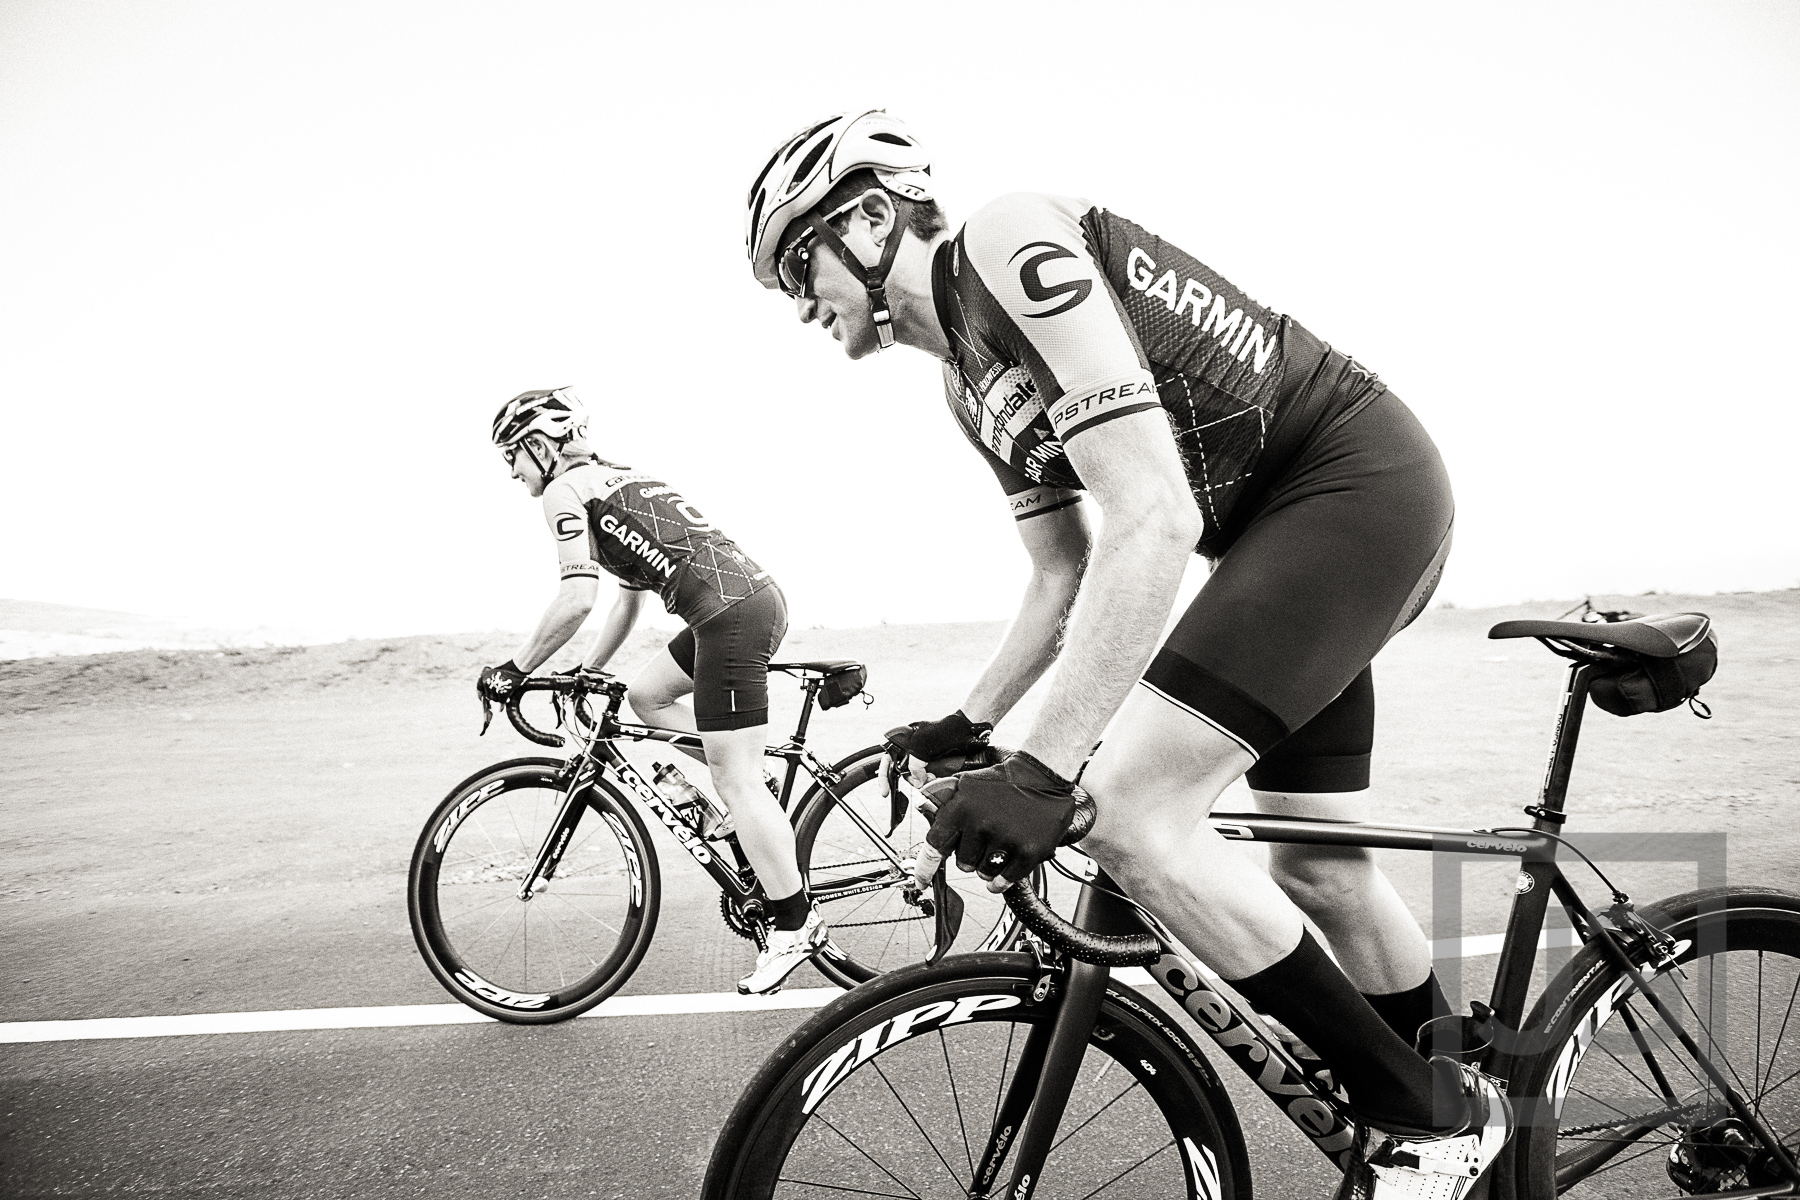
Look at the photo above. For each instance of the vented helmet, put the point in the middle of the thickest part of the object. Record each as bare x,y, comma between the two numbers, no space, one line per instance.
806,167
558,415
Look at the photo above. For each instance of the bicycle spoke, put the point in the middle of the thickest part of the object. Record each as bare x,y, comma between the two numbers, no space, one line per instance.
1619,1162
600,921
1711,1041
1128,1170
562,977
1776,1052
461,913
907,1109
1604,1103
901,1182
957,1100
839,1188
1065,1137
478,937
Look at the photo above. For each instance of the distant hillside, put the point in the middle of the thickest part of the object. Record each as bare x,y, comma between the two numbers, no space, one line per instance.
32,629
1759,625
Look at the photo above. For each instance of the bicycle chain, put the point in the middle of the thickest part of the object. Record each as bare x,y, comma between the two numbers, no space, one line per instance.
1651,1119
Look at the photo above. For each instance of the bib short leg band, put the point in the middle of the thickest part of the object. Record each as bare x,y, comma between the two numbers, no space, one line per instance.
1344,551
727,656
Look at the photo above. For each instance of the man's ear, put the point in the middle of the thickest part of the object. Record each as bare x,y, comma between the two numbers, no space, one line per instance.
879,209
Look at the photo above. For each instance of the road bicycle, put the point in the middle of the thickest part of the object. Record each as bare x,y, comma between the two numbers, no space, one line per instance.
1651,1065
534,888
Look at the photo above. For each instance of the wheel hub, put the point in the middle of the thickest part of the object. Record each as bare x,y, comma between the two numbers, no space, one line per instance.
1719,1156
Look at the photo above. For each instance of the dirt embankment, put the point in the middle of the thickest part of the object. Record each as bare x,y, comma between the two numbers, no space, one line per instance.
154,678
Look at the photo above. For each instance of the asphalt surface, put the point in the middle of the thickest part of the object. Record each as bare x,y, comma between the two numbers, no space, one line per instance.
246,854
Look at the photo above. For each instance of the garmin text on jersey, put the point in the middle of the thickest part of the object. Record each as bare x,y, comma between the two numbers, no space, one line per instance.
637,543
1243,336
1076,289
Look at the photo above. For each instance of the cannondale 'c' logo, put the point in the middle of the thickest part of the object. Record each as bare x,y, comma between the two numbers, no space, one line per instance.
1076,289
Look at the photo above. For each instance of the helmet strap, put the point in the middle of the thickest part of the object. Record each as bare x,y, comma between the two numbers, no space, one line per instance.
526,445
873,279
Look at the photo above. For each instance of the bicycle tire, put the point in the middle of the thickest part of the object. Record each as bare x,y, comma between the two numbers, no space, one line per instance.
876,930
476,935
903,1036
1595,1121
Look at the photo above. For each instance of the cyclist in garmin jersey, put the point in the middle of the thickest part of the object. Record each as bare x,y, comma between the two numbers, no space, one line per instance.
1084,355
639,529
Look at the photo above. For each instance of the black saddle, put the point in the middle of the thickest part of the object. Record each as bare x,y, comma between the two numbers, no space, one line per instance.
822,667
1667,635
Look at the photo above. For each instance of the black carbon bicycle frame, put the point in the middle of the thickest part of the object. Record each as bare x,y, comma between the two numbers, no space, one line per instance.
1325,1118
731,872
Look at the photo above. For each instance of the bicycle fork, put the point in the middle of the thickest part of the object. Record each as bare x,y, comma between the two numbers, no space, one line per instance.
556,840
1039,1091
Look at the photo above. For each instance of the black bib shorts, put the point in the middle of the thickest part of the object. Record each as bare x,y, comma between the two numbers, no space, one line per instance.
727,656
1340,552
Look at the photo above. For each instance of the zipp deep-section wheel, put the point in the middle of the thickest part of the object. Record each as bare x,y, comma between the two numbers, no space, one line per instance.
546,953
1614,1107
903,1087
856,854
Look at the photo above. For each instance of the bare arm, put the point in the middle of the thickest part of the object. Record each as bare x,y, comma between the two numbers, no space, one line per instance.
1058,544
620,621
574,600
1149,526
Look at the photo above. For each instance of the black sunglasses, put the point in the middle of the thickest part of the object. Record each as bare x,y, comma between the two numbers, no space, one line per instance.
792,264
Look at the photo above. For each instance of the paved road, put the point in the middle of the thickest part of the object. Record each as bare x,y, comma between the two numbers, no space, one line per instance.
249,854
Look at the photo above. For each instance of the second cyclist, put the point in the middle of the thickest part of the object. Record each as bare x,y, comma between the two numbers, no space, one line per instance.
605,516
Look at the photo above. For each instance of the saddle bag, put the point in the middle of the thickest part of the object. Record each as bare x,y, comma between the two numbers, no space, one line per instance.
1657,684
840,687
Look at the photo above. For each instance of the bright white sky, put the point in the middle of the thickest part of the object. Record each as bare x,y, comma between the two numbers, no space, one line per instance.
269,268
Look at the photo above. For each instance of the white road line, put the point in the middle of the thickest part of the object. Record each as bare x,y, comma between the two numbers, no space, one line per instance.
678,1004
1489,943
390,1015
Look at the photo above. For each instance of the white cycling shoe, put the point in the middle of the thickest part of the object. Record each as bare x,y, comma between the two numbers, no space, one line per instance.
1388,1166
787,949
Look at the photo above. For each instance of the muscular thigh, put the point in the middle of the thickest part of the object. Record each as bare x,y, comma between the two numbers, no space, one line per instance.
1344,552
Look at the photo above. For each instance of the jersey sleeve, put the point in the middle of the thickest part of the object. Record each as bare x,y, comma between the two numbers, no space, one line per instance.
568,520
1026,497
1063,319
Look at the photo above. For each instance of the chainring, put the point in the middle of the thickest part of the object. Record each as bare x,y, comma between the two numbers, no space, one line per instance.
744,918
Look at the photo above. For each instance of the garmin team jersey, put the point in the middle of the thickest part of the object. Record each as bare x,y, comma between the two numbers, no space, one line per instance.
1062,316
640,529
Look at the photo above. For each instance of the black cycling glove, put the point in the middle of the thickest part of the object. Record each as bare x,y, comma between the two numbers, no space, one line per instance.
928,740
497,683
1002,820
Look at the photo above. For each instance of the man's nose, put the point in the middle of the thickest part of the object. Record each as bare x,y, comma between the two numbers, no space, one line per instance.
808,308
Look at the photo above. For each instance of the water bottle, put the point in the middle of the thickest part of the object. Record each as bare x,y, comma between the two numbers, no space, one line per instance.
695,806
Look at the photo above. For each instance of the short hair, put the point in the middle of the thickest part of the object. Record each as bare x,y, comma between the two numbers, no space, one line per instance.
921,218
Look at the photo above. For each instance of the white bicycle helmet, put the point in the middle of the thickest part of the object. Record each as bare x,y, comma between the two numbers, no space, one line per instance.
809,164
558,415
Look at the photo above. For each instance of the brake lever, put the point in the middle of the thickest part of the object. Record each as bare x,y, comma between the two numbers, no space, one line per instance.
896,799
487,716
